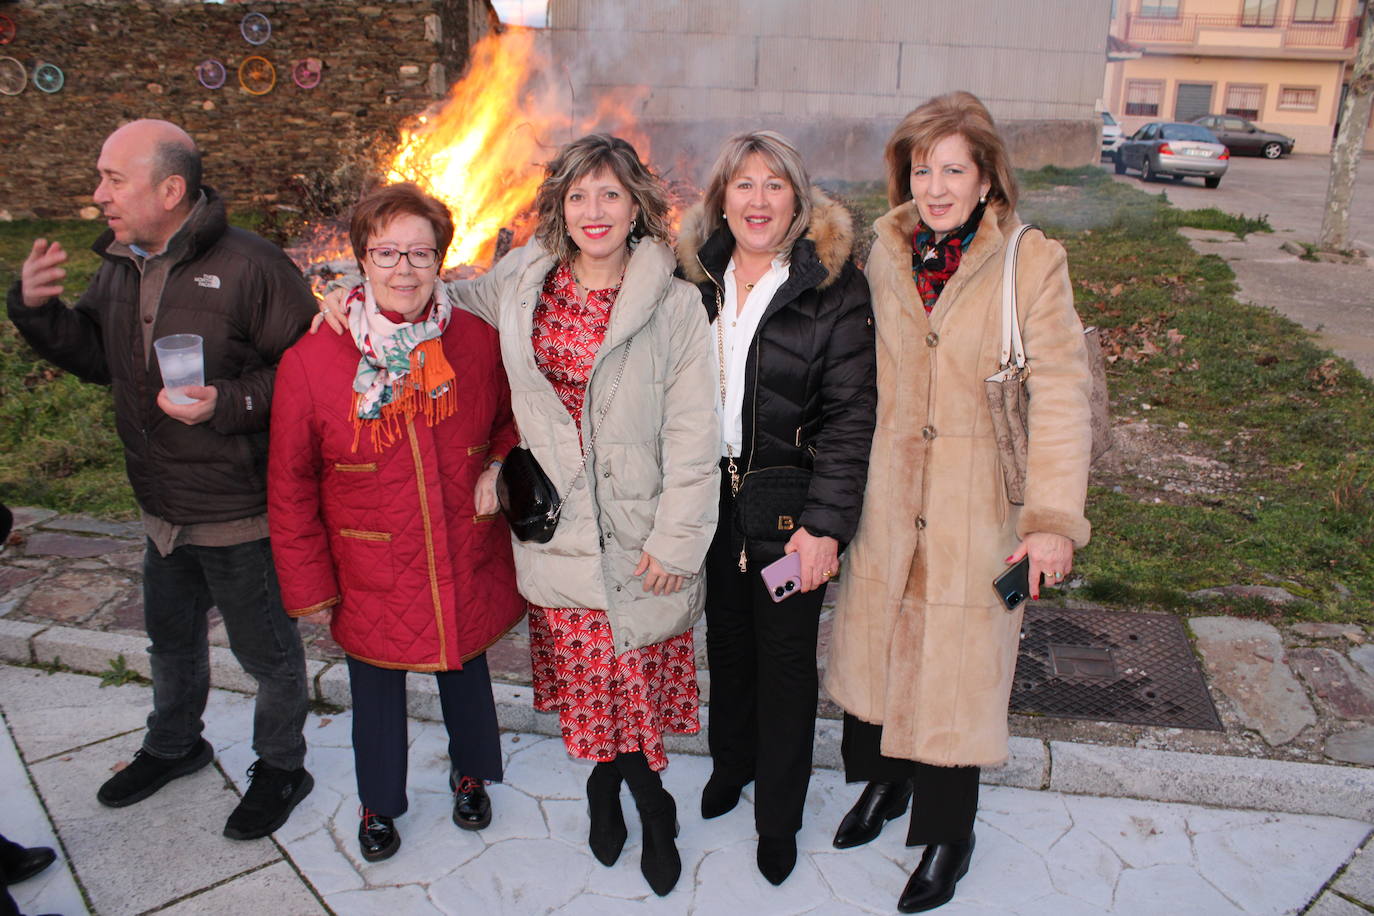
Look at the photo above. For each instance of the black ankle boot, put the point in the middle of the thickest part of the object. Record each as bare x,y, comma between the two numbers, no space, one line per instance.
932,883
776,857
606,837
879,803
659,862
720,796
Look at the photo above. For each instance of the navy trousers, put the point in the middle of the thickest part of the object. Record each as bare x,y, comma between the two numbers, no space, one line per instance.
380,745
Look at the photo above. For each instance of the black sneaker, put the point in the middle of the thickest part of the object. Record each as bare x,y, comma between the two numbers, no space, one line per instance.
145,774
271,797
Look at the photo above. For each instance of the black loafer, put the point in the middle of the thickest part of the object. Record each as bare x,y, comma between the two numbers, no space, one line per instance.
879,803
471,804
377,837
27,862
932,883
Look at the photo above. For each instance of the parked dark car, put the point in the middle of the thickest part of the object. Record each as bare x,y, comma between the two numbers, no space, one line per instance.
1243,137
1174,149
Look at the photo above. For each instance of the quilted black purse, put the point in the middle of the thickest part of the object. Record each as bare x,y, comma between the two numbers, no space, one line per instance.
528,500
770,502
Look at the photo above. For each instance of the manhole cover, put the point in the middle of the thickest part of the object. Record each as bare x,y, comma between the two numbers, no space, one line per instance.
1111,666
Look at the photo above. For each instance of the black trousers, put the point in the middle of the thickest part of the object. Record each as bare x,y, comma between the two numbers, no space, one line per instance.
945,800
9,851
762,658
380,746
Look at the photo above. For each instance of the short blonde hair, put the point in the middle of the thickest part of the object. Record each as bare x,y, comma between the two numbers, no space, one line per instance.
944,116
782,160
588,156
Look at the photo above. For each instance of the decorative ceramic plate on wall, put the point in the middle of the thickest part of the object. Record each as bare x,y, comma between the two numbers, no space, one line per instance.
7,30
48,77
257,76
211,73
308,72
13,76
255,28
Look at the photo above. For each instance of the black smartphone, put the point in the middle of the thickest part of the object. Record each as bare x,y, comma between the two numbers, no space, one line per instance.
1013,586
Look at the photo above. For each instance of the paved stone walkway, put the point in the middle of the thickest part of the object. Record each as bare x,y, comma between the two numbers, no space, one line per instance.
1039,852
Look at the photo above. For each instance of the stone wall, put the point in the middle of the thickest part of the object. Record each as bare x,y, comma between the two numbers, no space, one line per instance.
383,62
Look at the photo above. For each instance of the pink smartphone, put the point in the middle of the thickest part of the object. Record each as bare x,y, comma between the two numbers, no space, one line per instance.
783,577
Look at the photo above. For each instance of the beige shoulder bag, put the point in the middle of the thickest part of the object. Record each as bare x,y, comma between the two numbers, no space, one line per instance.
1008,399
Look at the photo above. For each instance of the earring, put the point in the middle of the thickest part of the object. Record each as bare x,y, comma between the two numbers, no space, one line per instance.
983,199
633,223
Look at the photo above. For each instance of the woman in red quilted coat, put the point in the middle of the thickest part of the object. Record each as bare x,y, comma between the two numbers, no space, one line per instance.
385,442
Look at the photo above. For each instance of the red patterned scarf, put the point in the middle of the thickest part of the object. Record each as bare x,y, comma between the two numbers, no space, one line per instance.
934,261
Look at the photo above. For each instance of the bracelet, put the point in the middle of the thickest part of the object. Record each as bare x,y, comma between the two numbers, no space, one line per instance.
494,463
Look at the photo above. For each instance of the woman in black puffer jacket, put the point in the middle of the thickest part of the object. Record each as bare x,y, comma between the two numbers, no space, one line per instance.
792,331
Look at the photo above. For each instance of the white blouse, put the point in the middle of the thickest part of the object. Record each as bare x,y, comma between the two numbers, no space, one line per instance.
734,334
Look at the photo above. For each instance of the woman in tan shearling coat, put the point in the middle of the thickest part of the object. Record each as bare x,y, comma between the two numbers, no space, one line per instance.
923,652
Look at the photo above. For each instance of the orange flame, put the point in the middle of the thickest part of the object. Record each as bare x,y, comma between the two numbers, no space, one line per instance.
482,153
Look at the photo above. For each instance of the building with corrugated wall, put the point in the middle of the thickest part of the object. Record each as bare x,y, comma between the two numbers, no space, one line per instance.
837,75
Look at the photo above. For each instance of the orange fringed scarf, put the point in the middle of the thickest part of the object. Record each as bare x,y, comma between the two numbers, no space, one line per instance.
428,390
402,370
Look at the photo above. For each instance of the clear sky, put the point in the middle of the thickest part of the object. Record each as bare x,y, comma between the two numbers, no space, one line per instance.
522,12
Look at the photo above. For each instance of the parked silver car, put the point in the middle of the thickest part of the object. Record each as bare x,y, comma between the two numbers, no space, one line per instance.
1174,149
1111,134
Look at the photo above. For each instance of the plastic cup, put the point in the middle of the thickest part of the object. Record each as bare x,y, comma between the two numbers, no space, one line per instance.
182,360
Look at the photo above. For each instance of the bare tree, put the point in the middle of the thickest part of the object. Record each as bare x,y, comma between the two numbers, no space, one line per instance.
1345,155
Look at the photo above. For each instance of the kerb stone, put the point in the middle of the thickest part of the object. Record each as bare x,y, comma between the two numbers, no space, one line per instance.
1245,659
16,640
91,650
1211,779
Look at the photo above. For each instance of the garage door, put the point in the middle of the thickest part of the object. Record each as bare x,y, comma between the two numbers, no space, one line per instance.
1193,101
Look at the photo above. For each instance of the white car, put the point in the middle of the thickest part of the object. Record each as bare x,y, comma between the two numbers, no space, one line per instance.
1111,134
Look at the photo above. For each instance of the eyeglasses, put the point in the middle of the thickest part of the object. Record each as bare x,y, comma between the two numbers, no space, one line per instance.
419,258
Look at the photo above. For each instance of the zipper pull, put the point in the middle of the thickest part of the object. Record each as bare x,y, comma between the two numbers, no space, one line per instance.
734,476
743,561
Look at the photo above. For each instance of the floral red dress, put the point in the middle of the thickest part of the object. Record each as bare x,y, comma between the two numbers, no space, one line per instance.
607,704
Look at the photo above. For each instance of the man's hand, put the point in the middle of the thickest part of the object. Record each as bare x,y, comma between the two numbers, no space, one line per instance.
198,411
42,275
332,312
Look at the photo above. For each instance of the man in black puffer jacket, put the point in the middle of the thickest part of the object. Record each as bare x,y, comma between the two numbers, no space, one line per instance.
173,265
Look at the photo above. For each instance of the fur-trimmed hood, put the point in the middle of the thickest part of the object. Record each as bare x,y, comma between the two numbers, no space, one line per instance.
830,235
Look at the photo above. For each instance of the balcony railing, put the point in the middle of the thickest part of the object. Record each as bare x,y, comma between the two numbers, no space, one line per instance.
1202,31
